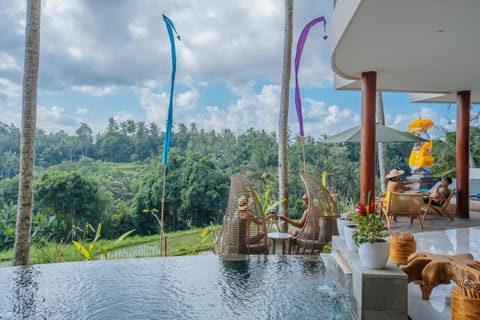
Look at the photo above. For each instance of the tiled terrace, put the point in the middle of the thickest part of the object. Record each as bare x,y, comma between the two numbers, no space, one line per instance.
440,235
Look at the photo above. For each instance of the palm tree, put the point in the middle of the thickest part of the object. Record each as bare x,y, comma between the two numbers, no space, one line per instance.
382,148
21,249
283,117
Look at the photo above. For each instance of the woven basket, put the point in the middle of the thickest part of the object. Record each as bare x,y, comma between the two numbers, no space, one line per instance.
464,307
400,250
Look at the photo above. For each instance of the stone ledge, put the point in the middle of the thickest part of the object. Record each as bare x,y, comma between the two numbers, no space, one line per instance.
374,294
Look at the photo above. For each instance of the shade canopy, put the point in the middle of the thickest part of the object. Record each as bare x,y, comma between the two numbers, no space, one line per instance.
383,134
427,46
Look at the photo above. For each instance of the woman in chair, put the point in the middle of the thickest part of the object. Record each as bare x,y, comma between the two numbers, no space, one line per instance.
312,229
440,194
395,185
244,214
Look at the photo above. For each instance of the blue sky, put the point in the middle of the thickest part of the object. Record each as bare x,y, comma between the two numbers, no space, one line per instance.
102,59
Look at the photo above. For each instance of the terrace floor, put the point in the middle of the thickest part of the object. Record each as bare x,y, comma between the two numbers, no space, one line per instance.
440,235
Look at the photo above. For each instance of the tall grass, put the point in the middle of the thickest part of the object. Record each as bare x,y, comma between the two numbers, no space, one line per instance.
179,243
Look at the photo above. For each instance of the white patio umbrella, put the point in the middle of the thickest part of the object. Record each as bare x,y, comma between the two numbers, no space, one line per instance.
382,134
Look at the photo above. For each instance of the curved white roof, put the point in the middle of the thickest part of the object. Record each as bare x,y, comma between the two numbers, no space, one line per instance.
418,46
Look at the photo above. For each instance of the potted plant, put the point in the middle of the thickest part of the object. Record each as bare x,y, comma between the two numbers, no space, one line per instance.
350,226
346,218
349,231
373,247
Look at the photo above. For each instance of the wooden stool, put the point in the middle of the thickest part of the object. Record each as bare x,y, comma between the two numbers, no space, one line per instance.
430,270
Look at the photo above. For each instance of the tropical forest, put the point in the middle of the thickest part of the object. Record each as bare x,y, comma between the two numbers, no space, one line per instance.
115,179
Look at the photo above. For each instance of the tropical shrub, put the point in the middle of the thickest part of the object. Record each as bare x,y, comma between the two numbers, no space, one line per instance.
8,216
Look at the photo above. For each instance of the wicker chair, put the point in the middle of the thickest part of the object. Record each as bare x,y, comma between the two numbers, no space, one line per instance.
244,229
403,205
321,222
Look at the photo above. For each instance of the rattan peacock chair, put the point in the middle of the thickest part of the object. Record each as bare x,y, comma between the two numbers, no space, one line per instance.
321,222
244,229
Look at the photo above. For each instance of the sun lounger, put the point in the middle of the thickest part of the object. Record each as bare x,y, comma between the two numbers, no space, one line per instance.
441,209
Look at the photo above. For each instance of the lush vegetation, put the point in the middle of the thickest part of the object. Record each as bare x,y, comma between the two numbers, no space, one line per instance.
184,242
111,178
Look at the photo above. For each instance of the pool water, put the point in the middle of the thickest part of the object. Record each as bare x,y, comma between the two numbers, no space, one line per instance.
191,287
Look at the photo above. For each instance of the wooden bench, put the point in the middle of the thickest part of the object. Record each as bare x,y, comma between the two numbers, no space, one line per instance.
430,270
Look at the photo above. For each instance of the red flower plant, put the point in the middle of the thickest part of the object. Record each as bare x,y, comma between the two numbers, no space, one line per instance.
364,210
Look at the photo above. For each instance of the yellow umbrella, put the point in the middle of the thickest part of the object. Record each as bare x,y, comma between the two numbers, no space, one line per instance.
420,125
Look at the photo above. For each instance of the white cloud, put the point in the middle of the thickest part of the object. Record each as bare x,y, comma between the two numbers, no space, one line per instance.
56,112
320,119
96,91
336,115
82,111
10,116
448,124
99,49
434,112
8,62
123,116
399,121
95,48
54,119
75,53
155,105
10,102
138,29
10,89
187,100
250,110
428,113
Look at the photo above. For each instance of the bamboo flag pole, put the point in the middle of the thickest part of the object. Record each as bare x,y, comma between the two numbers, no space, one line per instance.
168,131
304,157
163,240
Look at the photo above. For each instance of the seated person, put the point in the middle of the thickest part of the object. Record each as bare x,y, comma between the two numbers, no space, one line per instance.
440,194
243,213
312,229
395,185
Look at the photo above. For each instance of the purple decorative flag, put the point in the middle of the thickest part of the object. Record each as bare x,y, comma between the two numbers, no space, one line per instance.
298,55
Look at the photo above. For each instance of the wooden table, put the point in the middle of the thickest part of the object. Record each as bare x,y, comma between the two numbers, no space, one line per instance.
430,270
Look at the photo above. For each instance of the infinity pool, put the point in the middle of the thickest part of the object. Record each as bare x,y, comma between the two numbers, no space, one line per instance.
193,287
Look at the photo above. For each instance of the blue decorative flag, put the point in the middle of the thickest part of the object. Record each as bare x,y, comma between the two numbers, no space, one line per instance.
168,131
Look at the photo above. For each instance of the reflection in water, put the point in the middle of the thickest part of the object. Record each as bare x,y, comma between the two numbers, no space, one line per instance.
310,267
200,287
279,287
24,292
233,283
236,273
